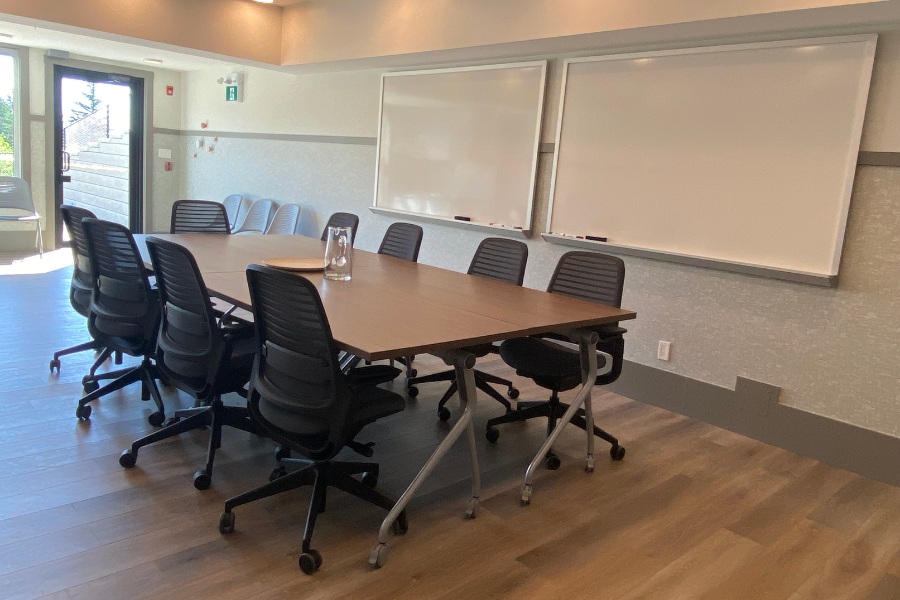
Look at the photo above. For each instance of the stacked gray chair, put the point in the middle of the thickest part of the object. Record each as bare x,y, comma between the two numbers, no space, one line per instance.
256,219
17,204
285,221
236,206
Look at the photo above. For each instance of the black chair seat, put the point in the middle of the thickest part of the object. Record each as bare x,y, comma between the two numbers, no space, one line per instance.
550,365
369,404
372,375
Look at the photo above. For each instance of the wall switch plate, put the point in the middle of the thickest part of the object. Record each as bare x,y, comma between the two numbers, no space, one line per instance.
165,153
664,350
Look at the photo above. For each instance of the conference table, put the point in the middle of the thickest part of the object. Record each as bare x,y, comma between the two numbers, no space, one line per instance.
392,308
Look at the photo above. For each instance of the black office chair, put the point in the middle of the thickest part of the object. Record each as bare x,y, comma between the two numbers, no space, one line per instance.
124,312
200,352
403,240
496,258
199,216
301,399
342,219
80,291
590,276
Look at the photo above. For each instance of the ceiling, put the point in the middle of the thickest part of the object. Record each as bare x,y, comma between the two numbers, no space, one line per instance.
96,46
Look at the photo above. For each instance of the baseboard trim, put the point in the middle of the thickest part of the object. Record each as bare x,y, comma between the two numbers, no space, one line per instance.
752,409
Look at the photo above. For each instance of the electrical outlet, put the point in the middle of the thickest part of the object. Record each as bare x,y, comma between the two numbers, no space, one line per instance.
664,350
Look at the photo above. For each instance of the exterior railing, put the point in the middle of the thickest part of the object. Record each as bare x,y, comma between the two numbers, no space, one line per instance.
87,130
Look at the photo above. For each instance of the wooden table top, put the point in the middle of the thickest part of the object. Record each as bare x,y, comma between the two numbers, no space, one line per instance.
393,307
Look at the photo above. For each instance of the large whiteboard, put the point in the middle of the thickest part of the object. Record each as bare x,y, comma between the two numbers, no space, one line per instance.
739,154
461,142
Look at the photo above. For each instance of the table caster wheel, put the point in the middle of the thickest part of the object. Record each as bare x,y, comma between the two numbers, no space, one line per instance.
83,411
589,464
226,523
370,479
202,480
277,473
90,386
617,452
310,561
156,419
127,459
473,509
378,556
412,391
552,461
526,495
512,393
444,413
400,525
54,365
492,435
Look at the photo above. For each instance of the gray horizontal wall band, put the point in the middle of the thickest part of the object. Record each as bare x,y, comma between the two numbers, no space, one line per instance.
278,137
547,147
496,229
696,261
879,159
752,409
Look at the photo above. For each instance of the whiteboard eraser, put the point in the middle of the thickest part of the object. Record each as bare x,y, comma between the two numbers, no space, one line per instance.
595,238
458,218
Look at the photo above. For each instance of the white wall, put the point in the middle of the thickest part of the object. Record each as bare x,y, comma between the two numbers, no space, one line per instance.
833,351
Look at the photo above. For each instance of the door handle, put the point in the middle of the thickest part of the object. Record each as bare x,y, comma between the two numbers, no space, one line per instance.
66,161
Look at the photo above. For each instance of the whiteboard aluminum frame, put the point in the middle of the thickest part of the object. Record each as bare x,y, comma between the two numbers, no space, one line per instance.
529,211
827,279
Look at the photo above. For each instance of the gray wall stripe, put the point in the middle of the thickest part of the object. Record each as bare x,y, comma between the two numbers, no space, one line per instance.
281,137
752,409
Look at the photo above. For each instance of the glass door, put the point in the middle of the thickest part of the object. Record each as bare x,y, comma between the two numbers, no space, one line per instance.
98,120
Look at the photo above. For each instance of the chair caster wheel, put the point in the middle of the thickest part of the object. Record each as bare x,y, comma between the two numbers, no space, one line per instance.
156,419
412,391
526,495
370,479
277,473
492,435
552,461
400,525
83,411
281,453
617,452
512,393
310,561
226,523
444,413
202,480
378,556
127,459
473,509
90,386
412,373
54,364
171,421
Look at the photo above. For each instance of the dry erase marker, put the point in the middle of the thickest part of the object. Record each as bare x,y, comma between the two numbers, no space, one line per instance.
459,218
595,238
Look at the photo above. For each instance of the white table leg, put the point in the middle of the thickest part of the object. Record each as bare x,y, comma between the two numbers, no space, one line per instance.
587,344
463,363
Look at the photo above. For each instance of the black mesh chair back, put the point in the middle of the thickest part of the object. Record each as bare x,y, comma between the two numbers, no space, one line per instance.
342,219
197,353
500,258
81,287
124,308
589,276
402,240
297,385
199,216
190,343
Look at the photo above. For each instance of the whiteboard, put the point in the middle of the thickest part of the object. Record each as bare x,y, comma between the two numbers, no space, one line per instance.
739,154
461,142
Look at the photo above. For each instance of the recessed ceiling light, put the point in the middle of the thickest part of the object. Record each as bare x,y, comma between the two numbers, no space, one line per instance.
155,61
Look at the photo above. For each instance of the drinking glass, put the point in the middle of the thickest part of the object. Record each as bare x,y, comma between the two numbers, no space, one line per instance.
339,254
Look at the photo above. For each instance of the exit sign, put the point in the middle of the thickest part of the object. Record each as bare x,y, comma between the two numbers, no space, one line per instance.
232,93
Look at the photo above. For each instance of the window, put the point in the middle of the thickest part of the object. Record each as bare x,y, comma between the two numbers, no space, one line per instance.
9,115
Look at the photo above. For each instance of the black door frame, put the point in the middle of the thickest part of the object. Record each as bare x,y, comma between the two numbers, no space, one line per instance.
135,146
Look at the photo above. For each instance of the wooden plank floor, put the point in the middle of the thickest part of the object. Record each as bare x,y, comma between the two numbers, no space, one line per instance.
692,512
